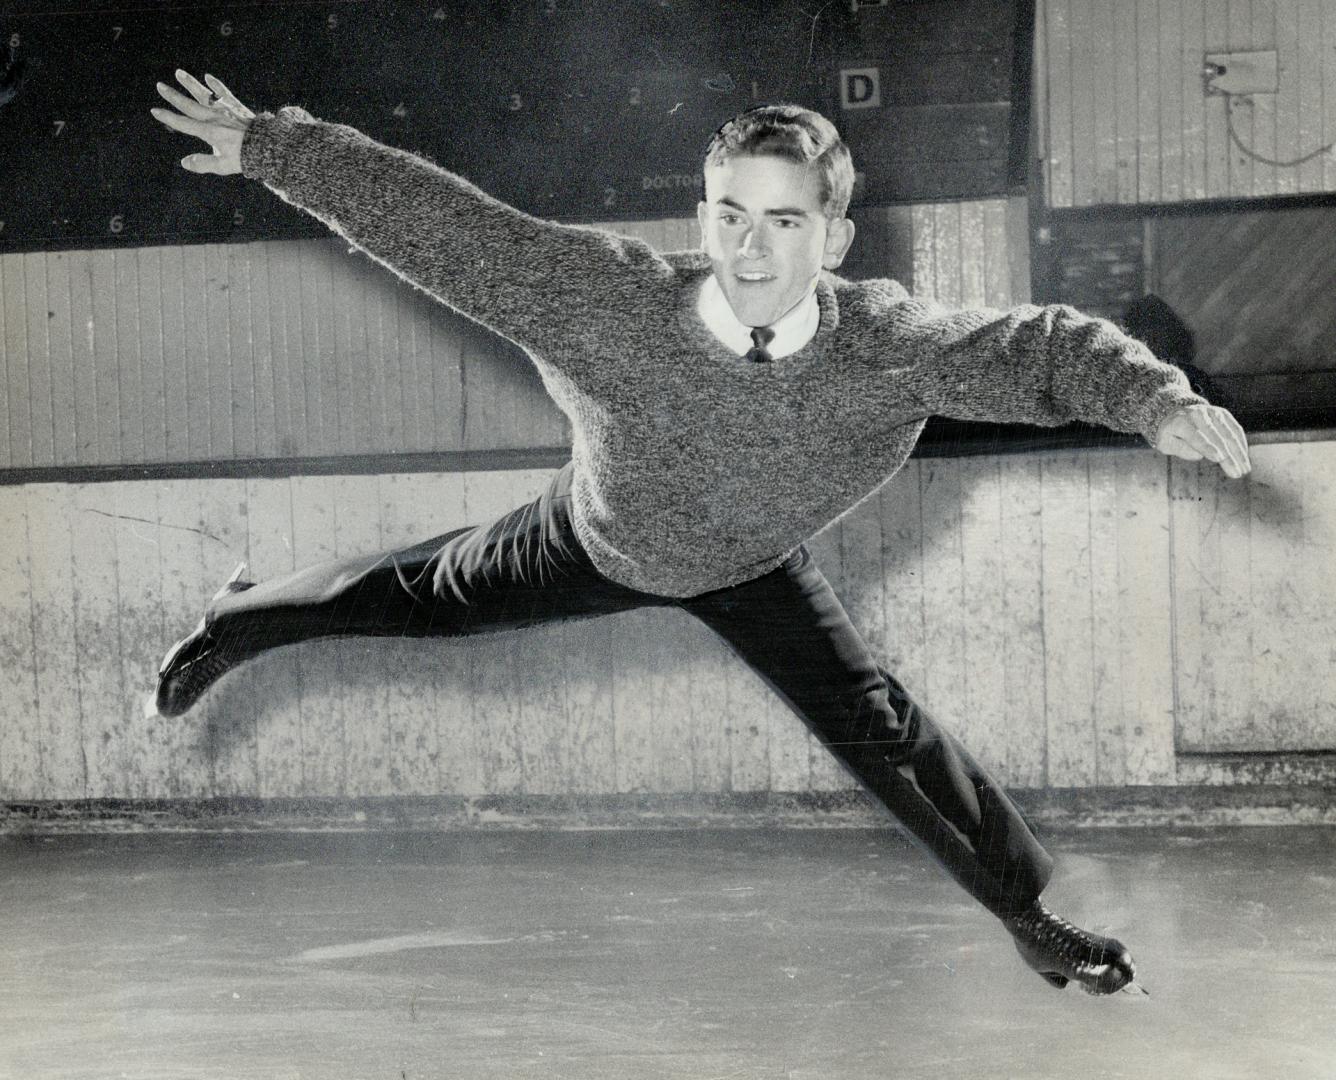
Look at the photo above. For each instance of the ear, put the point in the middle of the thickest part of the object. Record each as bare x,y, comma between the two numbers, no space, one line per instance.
839,239
702,215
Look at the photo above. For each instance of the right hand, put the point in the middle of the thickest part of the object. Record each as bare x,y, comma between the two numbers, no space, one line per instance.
1205,431
211,113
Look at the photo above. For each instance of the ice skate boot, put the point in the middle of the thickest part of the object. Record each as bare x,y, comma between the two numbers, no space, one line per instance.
1063,953
195,662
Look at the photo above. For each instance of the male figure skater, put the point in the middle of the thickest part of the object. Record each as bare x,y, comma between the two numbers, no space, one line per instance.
726,405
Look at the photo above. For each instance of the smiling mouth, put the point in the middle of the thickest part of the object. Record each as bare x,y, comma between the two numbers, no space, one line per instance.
754,277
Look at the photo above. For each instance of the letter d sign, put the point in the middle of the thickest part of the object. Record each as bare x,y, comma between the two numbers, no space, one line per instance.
860,88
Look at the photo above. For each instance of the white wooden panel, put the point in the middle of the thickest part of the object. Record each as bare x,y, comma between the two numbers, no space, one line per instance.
633,716
241,348
1241,39
22,775
996,255
39,349
862,587
196,374
1067,621
668,644
1328,76
177,386
426,705
126,359
1308,103
709,712
1103,93
922,222
314,512
947,287
1217,147
144,765
183,739
1148,114
1173,56
944,602
7,346
362,667
1192,101
747,728
1074,598
902,557
1171,138
273,675
1082,49
1145,618
14,328
1057,79
218,343
149,335
1108,678
497,709
588,647
284,318
96,601
1265,107
1023,746
1253,561
1189,570
231,706
847,576
1282,635
981,720
56,657
973,266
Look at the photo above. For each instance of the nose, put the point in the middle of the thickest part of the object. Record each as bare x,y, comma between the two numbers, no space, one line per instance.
752,245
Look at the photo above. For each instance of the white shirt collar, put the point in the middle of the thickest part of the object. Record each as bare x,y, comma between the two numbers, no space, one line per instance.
794,330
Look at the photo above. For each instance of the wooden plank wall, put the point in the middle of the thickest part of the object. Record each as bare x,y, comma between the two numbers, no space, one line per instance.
1125,118
263,350
1254,599
1056,610
988,584
301,349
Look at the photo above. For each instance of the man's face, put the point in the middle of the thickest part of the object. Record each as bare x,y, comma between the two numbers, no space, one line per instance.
766,234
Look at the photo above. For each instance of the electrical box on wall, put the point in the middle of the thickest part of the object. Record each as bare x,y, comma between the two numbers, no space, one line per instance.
1242,73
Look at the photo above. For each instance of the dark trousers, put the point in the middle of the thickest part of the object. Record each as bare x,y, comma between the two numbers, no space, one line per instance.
528,568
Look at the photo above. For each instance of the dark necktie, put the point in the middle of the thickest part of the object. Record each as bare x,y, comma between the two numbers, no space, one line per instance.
761,337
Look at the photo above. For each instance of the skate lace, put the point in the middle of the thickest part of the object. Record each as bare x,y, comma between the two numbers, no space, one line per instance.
1078,947
218,653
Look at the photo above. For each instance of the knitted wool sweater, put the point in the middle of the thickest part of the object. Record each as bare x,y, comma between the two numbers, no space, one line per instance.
695,469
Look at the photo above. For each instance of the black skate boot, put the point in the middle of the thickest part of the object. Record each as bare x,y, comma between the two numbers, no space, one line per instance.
193,664
1061,952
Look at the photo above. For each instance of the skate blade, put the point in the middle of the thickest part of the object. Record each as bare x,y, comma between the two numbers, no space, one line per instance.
230,582
1135,989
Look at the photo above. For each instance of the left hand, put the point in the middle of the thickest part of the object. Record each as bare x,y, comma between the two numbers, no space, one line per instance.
211,113
1205,431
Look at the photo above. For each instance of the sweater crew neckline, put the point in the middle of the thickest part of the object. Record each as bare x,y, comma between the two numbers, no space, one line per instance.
700,337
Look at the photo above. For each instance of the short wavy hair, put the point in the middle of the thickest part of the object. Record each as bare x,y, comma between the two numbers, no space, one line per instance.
800,135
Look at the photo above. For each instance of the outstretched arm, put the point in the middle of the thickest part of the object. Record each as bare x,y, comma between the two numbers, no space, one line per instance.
1051,365
534,281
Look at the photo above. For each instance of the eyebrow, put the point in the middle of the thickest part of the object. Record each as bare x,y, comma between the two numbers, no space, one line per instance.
782,211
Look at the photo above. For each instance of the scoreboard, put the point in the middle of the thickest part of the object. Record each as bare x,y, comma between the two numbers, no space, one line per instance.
579,111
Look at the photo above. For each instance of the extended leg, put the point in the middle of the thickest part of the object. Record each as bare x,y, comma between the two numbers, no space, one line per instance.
792,629
524,569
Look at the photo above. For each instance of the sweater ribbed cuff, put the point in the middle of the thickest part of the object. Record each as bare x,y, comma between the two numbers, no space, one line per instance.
262,153
1159,407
